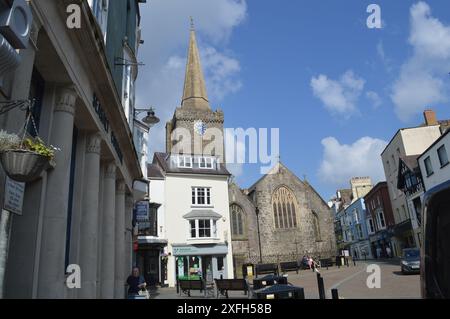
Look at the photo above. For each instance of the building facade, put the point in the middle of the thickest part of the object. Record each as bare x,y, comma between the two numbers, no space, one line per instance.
79,211
193,185
380,222
293,221
407,142
434,162
358,227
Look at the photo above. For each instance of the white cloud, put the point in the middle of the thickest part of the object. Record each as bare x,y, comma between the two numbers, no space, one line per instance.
374,98
420,83
338,96
341,162
160,81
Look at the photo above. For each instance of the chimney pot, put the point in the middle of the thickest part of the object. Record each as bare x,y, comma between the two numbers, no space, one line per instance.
430,117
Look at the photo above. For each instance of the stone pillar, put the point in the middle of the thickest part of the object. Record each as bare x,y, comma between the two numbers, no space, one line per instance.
128,235
51,281
108,232
120,241
89,219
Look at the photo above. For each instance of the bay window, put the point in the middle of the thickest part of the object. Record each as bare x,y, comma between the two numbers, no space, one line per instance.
202,228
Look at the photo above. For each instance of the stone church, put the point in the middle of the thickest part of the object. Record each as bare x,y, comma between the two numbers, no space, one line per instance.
293,220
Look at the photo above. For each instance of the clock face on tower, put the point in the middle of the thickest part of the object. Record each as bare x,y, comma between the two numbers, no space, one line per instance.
200,128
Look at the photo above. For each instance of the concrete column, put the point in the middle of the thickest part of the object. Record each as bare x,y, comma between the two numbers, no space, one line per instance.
108,233
88,254
120,241
51,282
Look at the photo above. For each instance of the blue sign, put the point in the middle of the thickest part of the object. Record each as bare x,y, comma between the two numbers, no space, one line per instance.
141,211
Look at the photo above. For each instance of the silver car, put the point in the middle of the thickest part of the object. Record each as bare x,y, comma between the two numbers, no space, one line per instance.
410,262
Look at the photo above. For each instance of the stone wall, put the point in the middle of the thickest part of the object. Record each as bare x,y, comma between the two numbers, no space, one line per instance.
280,245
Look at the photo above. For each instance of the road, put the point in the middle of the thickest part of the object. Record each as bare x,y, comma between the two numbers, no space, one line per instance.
350,282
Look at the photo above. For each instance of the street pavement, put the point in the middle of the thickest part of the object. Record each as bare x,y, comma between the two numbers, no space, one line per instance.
350,282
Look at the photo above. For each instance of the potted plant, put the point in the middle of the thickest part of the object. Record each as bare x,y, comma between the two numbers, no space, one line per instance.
24,160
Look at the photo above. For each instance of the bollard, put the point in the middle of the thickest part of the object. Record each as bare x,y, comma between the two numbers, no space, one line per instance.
301,294
321,287
334,293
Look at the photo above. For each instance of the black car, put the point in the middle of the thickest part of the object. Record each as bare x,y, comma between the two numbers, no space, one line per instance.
435,274
410,262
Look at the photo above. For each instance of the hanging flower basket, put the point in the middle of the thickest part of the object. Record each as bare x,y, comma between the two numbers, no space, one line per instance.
22,165
24,160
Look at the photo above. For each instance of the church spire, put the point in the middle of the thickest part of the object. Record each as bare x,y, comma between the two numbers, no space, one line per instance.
194,94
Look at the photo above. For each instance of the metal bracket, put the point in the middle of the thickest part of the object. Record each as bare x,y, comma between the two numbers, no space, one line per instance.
121,61
6,106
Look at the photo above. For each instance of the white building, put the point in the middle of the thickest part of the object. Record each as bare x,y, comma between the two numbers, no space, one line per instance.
407,142
434,162
192,186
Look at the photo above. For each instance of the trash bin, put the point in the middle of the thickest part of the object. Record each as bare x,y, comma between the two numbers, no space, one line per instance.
281,292
248,270
269,280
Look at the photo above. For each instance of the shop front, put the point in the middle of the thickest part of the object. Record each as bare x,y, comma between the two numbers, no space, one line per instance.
379,244
208,262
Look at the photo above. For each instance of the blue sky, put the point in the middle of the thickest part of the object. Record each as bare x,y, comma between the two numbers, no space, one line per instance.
337,90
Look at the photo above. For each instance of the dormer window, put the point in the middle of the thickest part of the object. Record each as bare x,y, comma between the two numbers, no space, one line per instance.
184,162
206,162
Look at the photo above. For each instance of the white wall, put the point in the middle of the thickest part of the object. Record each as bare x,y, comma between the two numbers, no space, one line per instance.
411,141
440,175
157,196
178,192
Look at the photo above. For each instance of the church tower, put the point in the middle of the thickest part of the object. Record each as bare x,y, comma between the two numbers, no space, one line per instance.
195,128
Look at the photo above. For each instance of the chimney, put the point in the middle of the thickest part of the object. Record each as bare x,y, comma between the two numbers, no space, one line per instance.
430,117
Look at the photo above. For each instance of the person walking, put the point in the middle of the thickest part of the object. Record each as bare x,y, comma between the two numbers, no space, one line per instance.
388,252
135,283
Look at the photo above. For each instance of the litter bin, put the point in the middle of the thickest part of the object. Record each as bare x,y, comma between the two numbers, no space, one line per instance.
248,270
269,280
281,292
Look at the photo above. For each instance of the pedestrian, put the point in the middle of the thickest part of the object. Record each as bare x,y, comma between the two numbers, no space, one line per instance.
135,283
388,252
378,252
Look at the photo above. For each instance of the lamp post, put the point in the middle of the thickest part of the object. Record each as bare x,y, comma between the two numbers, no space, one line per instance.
151,119
259,234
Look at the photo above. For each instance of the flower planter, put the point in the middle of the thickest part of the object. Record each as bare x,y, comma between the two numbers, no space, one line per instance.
22,165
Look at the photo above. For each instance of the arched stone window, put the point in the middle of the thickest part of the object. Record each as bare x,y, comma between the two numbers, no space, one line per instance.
284,208
316,225
237,221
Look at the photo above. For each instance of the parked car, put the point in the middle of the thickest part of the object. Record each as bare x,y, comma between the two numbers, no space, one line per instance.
435,274
410,262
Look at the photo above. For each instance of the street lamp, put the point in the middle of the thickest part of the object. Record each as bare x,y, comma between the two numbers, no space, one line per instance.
259,234
151,119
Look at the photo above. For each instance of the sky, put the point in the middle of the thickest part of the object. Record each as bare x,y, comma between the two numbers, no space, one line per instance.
337,90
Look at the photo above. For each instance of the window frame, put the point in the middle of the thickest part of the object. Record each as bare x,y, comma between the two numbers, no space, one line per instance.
206,196
442,149
182,162
428,166
195,229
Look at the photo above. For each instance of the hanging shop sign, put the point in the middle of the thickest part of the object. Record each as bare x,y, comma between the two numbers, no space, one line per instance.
141,211
13,198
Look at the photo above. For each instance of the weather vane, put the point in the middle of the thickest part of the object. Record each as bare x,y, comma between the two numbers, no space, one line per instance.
192,23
